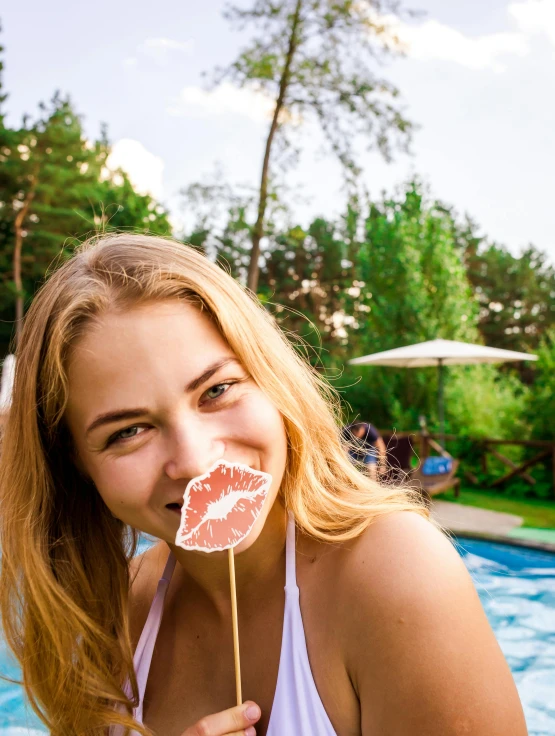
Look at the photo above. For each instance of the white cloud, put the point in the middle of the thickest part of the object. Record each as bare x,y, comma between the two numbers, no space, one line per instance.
159,48
159,51
432,40
224,100
145,170
535,17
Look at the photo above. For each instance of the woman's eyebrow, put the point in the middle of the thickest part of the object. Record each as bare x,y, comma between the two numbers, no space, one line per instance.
124,414
208,373
115,416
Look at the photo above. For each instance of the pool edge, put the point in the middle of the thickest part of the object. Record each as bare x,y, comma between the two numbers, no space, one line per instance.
504,539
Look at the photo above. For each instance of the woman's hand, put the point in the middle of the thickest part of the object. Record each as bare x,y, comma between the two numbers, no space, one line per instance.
236,721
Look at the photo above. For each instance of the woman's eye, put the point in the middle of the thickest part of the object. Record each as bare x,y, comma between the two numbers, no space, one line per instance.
129,432
216,391
126,434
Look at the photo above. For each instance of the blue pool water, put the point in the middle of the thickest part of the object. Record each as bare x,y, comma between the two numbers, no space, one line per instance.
517,588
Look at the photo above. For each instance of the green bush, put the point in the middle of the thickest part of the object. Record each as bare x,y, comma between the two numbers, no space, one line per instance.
540,411
482,401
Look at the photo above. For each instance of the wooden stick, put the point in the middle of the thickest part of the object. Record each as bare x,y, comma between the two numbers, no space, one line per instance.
234,619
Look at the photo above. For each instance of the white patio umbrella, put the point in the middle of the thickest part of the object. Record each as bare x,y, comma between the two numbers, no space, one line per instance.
440,353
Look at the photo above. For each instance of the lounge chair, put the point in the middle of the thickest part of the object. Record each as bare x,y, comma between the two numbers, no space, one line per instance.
432,484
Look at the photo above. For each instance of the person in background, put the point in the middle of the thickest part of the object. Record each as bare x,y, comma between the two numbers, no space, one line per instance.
368,447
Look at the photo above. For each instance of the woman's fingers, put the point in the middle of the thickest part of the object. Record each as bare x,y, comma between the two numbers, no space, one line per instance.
237,721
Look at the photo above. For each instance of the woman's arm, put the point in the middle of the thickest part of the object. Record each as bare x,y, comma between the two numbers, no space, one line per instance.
420,651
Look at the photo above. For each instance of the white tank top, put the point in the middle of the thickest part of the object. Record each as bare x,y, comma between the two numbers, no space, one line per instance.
297,707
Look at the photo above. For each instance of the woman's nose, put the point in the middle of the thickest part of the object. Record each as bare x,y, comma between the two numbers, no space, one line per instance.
193,449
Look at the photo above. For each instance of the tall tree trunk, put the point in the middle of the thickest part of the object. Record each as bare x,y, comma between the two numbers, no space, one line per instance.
258,230
18,244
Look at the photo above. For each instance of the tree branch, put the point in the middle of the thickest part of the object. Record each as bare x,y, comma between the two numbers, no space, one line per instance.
258,230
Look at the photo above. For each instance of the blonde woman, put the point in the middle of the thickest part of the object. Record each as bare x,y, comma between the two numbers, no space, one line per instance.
140,365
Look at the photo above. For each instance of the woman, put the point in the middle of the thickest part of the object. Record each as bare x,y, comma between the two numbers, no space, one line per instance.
140,365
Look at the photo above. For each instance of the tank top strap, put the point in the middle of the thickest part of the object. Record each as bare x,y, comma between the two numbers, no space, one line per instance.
168,568
290,555
145,647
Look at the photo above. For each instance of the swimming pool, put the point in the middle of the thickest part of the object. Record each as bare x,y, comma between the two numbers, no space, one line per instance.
517,588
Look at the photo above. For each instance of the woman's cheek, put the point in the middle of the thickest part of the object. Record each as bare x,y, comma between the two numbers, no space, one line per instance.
127,480
257,407
267,430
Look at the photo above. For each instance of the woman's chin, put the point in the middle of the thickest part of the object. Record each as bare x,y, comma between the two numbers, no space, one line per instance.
246,543
254,535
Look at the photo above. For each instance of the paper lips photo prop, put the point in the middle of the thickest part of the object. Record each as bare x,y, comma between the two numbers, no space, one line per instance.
220,507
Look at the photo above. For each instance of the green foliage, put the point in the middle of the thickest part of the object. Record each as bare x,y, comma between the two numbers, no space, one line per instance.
410,264
484,402
305,282
541,405
117,206
55,190
49,172
223,221
516,296
412,287
316,59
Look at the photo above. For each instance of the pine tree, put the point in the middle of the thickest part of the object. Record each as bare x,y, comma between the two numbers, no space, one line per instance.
55,189
51,177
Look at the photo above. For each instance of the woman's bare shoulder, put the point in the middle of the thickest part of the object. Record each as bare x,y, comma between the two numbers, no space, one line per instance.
401,559
145,571
415,633
403,543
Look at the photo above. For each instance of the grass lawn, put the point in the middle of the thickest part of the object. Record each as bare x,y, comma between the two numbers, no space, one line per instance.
537,514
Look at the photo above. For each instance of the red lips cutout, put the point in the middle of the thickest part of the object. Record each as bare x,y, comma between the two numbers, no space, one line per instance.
220,507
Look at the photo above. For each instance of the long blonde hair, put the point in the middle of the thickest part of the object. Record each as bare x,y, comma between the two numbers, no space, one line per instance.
65,559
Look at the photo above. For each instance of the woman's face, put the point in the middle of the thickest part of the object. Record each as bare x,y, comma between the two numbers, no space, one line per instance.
155,398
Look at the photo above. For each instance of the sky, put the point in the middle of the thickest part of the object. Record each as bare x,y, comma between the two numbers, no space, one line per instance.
478,79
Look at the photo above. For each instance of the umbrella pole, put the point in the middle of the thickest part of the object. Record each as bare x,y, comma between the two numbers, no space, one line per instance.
440,404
